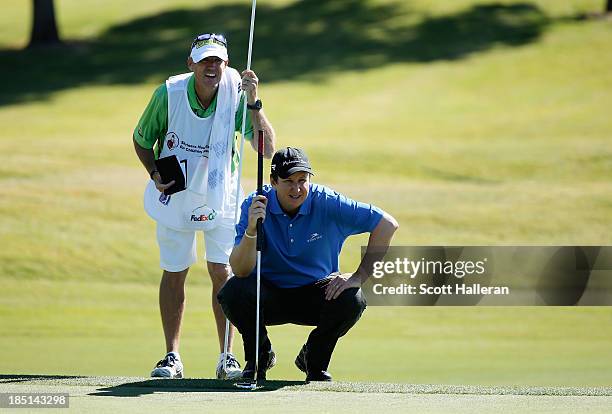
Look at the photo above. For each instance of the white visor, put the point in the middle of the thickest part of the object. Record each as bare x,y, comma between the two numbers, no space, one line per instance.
208,47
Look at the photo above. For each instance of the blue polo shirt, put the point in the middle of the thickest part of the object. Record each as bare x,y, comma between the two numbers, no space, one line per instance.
303,249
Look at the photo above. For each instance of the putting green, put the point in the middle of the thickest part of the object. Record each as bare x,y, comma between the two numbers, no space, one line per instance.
473,122
125,394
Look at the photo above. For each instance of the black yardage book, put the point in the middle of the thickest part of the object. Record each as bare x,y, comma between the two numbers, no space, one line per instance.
170,169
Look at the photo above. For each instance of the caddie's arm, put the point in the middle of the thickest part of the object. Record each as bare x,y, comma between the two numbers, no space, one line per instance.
378,244
244,256
147,158
250,82
152,124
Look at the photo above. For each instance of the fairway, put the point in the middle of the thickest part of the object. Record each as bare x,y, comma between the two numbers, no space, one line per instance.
472,122
194,395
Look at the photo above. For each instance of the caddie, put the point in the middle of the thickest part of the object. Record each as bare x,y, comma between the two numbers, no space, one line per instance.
304,228
196,116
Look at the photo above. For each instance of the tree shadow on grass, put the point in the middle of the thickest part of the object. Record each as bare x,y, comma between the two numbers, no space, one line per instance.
136,389
302,40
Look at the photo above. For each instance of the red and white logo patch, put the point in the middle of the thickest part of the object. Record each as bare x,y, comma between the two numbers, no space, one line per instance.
172,141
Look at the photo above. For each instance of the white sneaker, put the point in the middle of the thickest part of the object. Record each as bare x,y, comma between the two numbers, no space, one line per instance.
232,368
169,367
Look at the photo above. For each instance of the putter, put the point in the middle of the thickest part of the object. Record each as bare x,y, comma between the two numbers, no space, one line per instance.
247,385
237,210
253,384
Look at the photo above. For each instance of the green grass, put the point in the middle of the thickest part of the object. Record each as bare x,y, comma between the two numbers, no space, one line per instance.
471,122
98,328
123,394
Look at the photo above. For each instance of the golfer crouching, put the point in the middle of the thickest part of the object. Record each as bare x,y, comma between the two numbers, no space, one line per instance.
304,226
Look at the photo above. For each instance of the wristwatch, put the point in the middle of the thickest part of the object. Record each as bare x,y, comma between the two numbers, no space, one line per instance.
256,106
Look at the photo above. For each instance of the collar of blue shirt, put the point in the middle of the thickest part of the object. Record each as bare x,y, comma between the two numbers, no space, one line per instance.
275,207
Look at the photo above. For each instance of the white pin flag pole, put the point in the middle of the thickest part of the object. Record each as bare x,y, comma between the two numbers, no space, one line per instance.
244,112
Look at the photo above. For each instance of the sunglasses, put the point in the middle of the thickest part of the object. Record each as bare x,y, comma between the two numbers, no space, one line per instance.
208,38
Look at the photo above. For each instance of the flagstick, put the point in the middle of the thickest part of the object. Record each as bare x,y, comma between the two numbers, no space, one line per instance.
237,200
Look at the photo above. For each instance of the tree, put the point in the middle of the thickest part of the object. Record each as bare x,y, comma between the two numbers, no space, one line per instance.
44,29
608,6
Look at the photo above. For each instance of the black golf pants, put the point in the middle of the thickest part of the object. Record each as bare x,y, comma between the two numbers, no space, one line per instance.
304,305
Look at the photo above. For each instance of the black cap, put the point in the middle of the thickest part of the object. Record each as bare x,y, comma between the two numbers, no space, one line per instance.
287,161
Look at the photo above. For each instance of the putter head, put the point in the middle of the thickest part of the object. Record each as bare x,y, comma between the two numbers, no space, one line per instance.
247,384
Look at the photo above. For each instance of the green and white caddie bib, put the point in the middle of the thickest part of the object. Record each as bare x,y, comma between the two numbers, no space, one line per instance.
188,138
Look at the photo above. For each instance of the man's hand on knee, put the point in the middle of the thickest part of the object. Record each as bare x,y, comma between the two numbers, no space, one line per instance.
340,283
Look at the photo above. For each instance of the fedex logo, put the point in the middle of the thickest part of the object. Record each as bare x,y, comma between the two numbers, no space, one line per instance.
204,217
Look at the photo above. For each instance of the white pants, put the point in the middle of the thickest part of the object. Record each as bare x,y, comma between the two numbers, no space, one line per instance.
178,249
